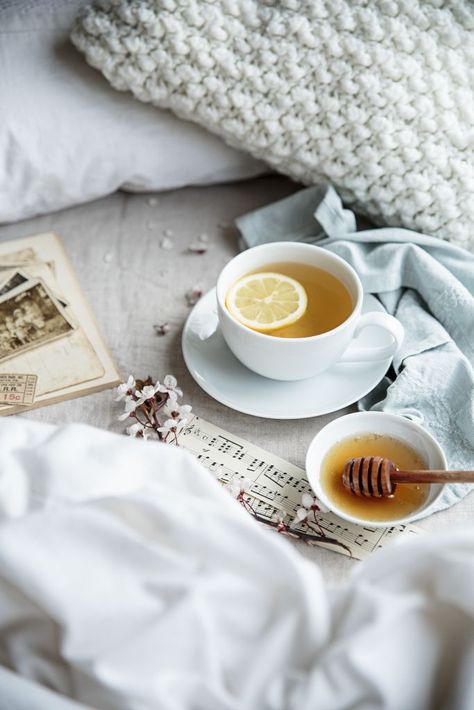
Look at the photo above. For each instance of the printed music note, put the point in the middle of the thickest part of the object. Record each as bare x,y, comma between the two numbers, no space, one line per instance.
255,464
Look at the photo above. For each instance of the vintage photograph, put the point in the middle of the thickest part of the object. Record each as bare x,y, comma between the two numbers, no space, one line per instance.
12,282
39,270
29,317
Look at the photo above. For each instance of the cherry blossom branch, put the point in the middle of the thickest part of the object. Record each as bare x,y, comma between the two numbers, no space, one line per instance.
308,538
155,408
305,516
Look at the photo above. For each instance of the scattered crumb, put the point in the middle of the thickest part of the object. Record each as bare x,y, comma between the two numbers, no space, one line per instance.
108,257
152,201
192,296
164,272
203,238
161,329
224,225
168,232
150,225
166,244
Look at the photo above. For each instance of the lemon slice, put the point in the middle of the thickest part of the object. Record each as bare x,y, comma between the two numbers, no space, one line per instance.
266,301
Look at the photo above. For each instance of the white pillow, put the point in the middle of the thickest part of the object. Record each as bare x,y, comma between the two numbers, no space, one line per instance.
67,137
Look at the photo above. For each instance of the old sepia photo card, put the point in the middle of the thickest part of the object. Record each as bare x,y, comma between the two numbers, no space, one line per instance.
12,278
13,281
47,329
29,317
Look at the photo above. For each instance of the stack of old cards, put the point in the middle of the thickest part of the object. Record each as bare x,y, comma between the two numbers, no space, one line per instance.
50,346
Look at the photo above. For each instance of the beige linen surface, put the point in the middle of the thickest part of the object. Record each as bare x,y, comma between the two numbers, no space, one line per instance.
133,283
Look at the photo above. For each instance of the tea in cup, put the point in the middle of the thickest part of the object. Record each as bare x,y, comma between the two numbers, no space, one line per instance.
289,311
325,301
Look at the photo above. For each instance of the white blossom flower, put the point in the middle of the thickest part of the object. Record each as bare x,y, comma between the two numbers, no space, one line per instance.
130,406
169,417
170,382
137,429
279,518
170,386
301,515
237,485
177,411
167,427
171,426
148,392
311,503
171,399
125,388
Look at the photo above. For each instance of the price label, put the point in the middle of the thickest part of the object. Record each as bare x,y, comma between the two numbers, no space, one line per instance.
17,389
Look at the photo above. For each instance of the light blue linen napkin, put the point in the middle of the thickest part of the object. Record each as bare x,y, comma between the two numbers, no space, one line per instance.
427,284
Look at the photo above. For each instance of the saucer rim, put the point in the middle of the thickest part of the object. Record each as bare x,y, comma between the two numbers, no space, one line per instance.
214,394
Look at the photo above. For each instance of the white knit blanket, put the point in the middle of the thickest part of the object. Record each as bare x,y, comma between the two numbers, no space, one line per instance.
376,97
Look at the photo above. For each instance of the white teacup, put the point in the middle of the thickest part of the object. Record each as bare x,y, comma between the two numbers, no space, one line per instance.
299,358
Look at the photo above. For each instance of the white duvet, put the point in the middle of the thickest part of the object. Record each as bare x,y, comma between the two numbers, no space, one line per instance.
130,579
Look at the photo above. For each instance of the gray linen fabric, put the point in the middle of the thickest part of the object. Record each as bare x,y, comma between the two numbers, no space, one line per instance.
132,283
427,284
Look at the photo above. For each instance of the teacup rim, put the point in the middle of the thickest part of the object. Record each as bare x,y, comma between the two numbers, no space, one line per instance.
311,338
326,500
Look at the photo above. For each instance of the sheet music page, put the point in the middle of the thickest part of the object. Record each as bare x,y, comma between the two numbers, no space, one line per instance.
276,486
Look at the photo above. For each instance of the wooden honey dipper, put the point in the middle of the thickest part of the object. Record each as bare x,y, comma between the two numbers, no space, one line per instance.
377,477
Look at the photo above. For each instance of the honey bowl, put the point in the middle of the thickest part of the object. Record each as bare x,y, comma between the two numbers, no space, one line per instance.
403,441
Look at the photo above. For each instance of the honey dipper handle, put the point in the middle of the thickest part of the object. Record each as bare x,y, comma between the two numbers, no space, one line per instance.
432,476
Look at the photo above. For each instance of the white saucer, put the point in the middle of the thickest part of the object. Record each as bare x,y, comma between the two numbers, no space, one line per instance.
224,378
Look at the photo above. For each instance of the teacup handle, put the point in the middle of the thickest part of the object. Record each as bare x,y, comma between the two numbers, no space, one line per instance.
358,353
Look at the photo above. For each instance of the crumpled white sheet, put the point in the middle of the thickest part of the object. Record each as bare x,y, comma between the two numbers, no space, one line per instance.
130,579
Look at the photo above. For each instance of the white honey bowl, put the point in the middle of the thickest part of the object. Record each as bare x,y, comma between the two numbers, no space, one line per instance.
392,425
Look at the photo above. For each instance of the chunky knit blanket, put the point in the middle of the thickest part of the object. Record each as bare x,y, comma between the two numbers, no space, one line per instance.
375,96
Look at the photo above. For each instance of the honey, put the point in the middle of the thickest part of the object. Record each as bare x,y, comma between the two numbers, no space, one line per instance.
408,497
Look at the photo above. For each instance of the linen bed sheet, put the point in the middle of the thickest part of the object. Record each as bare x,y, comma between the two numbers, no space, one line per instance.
133,283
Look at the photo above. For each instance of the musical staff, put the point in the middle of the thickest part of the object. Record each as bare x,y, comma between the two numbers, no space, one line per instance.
277,485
